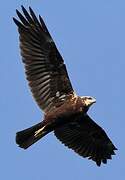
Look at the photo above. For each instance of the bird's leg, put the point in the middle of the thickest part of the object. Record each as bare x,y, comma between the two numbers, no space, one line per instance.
39,132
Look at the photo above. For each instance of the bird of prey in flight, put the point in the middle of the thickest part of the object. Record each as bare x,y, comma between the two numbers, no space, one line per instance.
65,113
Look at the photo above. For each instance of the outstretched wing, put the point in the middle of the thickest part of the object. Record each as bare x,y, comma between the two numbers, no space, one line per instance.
86,138
45,68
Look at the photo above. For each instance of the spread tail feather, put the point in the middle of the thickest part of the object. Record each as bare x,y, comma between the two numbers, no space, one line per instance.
27,137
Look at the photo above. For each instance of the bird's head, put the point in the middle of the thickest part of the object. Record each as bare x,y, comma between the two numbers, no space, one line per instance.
88,100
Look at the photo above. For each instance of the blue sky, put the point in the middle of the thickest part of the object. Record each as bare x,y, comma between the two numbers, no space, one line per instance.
90,35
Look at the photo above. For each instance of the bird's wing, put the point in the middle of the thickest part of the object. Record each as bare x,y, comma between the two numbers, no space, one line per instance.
45,68
86,138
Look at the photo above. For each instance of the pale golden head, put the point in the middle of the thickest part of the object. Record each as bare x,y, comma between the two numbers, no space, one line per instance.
88,100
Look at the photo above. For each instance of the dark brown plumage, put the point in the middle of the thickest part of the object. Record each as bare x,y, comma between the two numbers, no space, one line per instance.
65,113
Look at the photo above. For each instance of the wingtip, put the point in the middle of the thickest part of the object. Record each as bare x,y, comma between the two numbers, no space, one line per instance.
98,163
15,21
23,8
17,11
32,14
30,9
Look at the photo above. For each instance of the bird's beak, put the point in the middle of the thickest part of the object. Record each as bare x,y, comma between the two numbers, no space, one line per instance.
93,100
89,101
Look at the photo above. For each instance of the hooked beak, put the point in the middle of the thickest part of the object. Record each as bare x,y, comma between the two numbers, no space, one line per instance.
93,100
88,100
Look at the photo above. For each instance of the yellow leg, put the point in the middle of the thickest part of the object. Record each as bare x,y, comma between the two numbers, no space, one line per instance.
39,132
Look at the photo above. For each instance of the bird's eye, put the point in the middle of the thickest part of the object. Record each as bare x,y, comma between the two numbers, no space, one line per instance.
89,98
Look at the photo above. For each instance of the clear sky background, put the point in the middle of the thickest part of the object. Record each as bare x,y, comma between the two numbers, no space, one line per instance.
90,35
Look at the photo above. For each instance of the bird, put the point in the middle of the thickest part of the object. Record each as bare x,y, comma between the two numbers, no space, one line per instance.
65,113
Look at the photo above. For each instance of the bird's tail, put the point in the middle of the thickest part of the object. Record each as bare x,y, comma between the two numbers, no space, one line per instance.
31,135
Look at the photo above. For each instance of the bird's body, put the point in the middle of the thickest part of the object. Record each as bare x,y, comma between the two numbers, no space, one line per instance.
65,113
72,105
